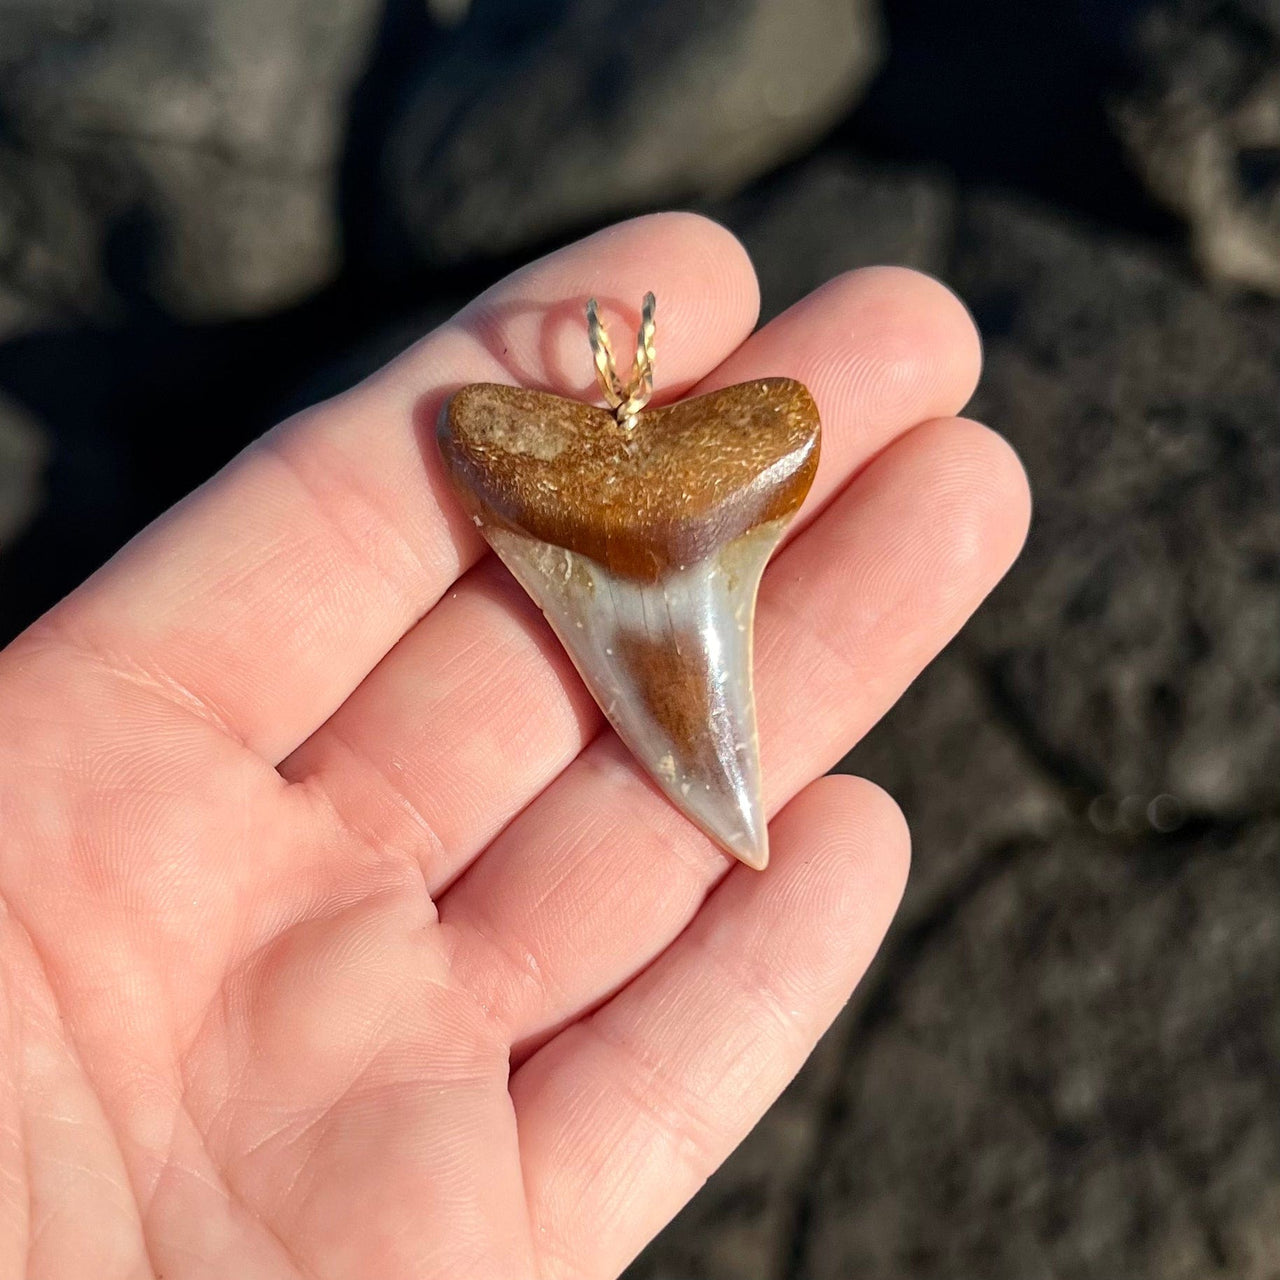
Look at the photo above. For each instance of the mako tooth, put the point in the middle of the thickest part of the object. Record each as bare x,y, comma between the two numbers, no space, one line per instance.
670,664
644,545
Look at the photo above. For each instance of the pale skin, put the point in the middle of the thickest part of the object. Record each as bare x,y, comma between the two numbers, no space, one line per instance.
339,938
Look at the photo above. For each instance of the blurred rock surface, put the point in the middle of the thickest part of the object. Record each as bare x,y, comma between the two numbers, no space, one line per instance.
546,116
1202,124
832,214
186,150
22,455
1138,642
1070,1075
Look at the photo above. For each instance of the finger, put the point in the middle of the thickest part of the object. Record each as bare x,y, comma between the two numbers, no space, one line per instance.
263,599
600,874
477,708
625,1113
881,349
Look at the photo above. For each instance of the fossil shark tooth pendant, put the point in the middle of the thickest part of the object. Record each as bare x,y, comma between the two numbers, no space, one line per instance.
642,536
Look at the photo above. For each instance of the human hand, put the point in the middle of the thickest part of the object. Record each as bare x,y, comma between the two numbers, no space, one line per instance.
339,939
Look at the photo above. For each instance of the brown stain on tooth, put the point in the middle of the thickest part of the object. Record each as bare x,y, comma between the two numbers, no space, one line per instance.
675,675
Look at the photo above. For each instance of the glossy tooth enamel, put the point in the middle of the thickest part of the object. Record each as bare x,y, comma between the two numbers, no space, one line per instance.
644,549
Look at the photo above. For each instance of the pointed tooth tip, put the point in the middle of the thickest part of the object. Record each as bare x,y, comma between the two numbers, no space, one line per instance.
729,818
750,849
731,814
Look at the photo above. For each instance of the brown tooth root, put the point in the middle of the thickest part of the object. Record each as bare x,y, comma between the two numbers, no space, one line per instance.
644,549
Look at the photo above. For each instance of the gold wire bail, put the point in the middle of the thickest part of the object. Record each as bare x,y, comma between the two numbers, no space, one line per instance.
626,399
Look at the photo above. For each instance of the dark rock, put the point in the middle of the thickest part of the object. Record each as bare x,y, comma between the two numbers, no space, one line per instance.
51,240
1202,125
1072,1075
546,117
1136,646
184,152
962,775
832,214
23,451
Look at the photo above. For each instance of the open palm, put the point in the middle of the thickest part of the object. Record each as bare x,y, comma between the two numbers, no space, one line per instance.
339,939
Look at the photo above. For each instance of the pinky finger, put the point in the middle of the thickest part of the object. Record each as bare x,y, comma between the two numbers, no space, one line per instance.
626,1112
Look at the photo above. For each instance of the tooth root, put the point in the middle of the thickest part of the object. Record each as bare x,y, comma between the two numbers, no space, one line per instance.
669,662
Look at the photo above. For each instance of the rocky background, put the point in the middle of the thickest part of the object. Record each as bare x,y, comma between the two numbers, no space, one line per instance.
1066,1062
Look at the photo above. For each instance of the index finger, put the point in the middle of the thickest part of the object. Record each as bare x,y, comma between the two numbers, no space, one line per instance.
264,598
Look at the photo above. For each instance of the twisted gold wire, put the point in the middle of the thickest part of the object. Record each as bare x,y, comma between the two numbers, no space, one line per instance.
626,399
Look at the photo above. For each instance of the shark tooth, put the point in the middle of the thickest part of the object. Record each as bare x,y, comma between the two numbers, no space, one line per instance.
644,545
